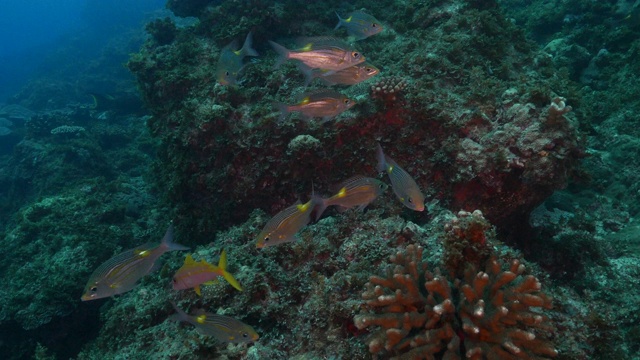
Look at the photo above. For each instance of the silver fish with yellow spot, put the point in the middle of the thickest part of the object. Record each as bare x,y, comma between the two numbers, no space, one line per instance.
221,327
122,272
357,191
360,25
230,62
349,76
285,225
324,104
321,53
402,183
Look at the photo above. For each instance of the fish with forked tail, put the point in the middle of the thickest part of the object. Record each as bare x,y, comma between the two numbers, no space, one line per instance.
122,272
402,183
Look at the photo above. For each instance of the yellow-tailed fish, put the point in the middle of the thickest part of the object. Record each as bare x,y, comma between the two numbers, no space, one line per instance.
230,62
325,104
360,25
193,273
321,53
402,183
350,76
285,225
122,272
221,327
357,191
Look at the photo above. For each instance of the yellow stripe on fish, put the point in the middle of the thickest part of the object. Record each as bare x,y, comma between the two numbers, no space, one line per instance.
321,53
357,191
284,226
222,328
360,25
325,104
402,183
122,272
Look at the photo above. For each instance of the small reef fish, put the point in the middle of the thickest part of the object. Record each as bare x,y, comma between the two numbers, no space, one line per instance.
321,53
357,191
223,328
402,183
324,103
193,273
349,76
360,25
122,272
230,61
285,225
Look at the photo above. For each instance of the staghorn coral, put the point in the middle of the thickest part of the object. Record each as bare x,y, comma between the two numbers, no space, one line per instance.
489,313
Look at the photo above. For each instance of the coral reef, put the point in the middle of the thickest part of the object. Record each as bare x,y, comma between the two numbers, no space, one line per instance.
218,142
483,118
493,316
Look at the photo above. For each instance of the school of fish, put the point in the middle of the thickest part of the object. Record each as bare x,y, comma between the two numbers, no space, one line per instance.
333,62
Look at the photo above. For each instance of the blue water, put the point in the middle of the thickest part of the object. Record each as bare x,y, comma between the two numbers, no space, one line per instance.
31,30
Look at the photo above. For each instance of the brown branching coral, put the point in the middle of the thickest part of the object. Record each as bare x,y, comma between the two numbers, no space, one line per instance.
487,314
388,88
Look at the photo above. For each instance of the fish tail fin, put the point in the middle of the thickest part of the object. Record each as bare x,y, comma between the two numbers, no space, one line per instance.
282,51
222,265
308,74
340,21
179,315
320,204
247,47
167,241
382,163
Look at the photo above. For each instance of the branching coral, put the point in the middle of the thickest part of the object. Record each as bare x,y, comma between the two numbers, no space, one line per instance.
486,314
388,88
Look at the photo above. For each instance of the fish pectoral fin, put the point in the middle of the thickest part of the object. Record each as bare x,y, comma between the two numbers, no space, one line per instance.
197,289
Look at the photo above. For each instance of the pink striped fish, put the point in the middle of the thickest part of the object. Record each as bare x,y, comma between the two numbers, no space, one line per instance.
193,273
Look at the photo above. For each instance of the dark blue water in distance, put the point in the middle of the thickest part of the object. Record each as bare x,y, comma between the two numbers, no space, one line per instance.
33,29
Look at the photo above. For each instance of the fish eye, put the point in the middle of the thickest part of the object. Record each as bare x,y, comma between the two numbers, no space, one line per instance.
174,280
346,101
94,289
355,54
374,25
266,238
226,73
245,335
410,200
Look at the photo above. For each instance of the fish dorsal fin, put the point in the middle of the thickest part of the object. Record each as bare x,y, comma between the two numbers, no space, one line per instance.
188,260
